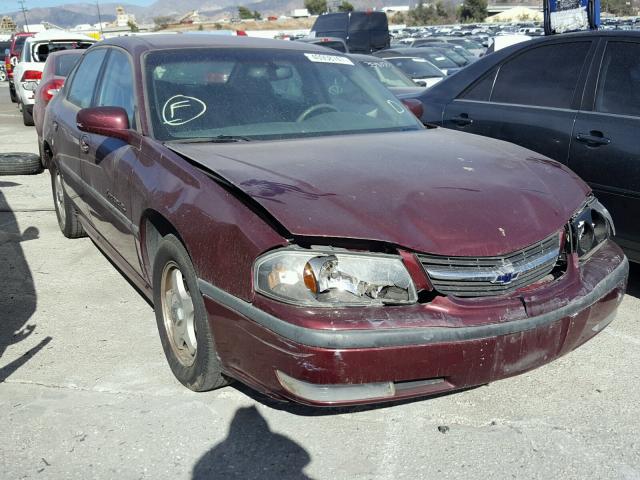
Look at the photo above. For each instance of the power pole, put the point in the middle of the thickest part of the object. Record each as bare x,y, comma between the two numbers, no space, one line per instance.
24,12
99,18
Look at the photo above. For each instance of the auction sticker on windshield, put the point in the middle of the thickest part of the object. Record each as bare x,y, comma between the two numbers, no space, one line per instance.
320,58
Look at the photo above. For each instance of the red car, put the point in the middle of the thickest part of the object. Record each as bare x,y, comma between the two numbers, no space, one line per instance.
12,54
56,69
299,230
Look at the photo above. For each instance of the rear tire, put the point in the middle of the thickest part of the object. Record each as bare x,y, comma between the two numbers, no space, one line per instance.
67,215
12,94
19,164
182,321
27,116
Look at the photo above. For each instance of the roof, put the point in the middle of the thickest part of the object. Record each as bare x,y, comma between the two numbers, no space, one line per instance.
358,57
60,35
187,40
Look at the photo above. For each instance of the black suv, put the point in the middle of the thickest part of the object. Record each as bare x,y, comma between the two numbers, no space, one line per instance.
574,98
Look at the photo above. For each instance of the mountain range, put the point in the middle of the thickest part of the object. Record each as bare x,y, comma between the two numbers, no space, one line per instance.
81,13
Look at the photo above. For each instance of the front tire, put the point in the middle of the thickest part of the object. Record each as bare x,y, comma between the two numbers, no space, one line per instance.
182,319
67,215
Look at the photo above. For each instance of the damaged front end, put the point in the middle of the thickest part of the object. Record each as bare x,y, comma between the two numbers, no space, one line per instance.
334,326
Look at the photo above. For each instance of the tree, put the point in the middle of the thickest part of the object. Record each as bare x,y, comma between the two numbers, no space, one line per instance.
473,11
257,15
316,7
398,18
244,13
132,26
162,22
620,8
345,7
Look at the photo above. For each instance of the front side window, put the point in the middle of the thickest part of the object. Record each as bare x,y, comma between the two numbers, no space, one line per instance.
544,76
117,88
85,78
619,81
265,94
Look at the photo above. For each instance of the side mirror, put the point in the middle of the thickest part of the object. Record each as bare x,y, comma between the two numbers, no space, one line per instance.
414,106
106,121
14,61
420,83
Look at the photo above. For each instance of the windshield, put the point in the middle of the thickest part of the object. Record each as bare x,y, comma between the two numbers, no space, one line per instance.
40,51
64,64
416,67
265,94
438,59
386,73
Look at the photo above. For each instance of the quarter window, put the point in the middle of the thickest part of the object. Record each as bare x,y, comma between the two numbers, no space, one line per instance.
85,78
481,90
619,84
116,89
544,76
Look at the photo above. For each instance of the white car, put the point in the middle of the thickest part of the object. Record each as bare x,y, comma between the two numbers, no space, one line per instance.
28,71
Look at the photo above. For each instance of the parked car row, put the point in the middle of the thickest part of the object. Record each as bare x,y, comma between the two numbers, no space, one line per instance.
299,230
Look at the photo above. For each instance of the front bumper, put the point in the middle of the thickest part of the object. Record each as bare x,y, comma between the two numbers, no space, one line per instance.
287,359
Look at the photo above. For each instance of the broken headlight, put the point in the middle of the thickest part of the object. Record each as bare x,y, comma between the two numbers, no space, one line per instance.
591,226
333,278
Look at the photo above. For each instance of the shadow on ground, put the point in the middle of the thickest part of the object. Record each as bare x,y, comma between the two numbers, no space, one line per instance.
633,287
17,291
252,450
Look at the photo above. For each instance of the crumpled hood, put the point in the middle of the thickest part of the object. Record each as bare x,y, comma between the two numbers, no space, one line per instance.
436,191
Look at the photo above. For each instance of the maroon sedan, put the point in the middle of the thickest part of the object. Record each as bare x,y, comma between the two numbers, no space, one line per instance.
297,229
56,69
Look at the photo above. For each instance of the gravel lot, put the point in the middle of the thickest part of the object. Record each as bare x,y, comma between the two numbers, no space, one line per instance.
86,392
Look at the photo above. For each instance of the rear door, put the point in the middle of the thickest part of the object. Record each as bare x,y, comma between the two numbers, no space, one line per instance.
106,162
66,136
604,148
530,99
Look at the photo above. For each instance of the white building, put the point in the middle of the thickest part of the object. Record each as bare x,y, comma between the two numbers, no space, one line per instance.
123,18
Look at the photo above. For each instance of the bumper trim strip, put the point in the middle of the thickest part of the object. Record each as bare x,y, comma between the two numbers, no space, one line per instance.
349,339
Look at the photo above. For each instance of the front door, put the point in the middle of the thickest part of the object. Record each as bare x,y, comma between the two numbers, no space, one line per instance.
106,162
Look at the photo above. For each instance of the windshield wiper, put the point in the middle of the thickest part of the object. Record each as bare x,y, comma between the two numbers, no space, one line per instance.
216,139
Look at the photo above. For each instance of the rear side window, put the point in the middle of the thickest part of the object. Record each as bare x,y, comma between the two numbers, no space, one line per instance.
544,76
619,83
481,90
85,78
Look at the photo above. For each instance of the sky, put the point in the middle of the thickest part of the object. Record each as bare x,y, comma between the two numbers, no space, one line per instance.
13,6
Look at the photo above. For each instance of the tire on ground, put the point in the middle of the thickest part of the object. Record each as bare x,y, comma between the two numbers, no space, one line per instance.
68,221
18,163
206,371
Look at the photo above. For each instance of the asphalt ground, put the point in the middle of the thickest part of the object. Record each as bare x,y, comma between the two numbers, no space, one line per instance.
86,392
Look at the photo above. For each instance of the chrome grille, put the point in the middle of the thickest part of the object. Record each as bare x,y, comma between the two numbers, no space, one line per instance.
489,276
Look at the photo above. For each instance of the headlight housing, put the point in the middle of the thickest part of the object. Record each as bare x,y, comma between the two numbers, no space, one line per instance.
590,227
330,278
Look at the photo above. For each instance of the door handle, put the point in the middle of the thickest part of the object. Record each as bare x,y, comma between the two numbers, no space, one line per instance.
462,120
55,126
84,146
593,139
